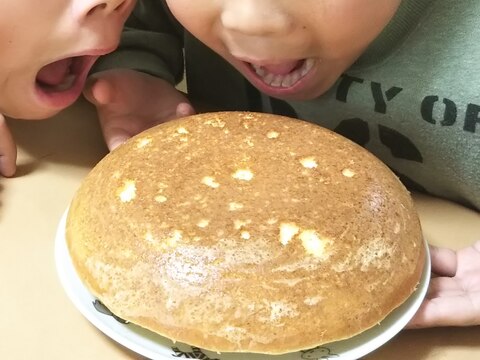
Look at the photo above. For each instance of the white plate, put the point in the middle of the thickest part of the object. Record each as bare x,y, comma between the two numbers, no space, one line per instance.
156,347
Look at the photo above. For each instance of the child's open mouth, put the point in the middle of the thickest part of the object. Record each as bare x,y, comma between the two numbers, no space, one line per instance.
284,75
60,83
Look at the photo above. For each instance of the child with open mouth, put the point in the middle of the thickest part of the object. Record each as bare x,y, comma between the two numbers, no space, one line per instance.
48,48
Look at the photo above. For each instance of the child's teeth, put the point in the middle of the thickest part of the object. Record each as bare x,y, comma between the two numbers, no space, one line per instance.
291,79
259,70
268,78
307,66
287,80
277,80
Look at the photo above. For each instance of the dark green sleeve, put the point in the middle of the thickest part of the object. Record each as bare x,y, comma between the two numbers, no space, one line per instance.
152,42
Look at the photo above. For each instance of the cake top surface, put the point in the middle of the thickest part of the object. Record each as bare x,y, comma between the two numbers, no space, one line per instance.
246,232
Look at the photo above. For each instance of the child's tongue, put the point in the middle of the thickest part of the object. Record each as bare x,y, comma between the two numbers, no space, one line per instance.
54,73
282,69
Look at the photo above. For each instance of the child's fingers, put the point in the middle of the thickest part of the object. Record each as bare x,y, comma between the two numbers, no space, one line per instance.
443,287
444,261
98,91
8,150
114,135
445,311
184,109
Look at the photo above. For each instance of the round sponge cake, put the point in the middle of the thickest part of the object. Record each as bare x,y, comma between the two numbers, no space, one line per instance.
246,232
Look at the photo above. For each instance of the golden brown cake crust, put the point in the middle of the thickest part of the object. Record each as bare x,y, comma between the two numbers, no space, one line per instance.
246,232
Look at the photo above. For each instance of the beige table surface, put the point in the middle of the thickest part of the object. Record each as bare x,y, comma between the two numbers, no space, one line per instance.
37,321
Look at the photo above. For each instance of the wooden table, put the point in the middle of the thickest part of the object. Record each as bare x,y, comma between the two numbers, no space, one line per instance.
37,319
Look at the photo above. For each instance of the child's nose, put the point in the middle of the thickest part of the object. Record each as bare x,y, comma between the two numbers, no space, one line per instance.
256,18
94,7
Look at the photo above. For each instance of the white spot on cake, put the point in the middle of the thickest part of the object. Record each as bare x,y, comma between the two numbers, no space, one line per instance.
309,162
171,303
243,174
245,235
289,282
203,223
142,142
162,186
287,232
238,224
396,228
313,244
233,206
182,130
210,181
249,141
126,253
313,300
149,238
128,191
246,125
215,123
175,237
348,173
272,134
160,198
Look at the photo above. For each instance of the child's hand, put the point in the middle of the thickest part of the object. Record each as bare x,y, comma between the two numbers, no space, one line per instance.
129,102
8,150
453,297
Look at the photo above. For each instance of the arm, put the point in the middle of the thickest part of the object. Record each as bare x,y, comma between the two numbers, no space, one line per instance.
8,150
134,87
453,297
